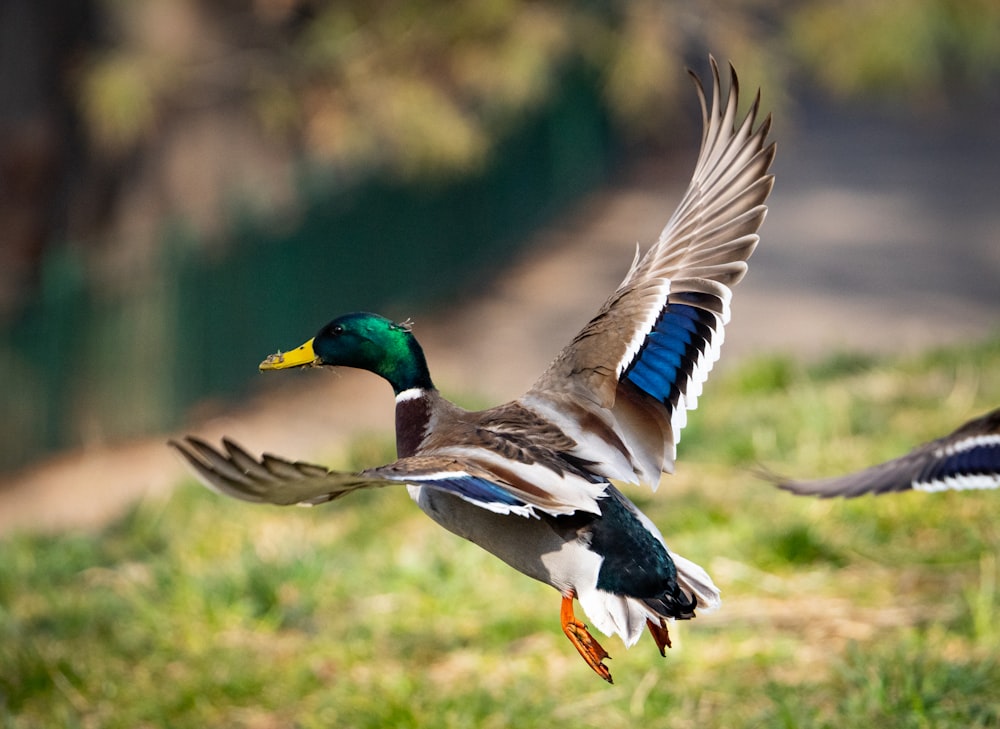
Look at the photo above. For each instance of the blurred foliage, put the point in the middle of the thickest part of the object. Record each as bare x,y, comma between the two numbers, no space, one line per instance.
420,86
117,101
919,49
413,87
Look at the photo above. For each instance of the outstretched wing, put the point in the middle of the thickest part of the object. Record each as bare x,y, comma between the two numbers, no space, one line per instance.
623,386
969,458
269,479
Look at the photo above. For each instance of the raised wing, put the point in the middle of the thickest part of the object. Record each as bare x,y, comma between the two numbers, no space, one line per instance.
269,479
624,384
969,458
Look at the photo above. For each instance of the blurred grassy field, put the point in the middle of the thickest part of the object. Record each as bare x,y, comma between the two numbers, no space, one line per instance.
200,611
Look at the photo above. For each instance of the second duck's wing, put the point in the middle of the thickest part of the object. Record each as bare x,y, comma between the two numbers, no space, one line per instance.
969,458
623,386
232,471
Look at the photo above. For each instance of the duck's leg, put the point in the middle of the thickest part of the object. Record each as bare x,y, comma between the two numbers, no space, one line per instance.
660,635
582,640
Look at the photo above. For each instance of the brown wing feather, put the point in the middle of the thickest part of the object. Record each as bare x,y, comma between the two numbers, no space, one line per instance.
274,480
700,253
270,479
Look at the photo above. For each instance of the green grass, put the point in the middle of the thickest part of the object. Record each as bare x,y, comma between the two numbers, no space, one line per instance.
200,611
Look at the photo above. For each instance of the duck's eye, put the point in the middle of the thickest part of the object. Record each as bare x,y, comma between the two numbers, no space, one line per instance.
337,329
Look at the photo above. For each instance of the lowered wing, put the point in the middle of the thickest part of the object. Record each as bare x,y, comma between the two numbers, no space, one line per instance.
232,471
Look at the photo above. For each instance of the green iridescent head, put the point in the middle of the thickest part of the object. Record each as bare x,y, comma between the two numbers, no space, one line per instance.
364,341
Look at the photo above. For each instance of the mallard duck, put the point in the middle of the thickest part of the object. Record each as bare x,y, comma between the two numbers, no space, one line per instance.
531,480
968,458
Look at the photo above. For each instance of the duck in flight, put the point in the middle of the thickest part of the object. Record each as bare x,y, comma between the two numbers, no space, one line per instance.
530,481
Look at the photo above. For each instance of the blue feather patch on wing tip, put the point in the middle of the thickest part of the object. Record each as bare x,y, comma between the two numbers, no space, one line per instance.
979,460
670,351
474,488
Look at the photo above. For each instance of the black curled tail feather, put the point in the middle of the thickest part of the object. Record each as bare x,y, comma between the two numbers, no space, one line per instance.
672,605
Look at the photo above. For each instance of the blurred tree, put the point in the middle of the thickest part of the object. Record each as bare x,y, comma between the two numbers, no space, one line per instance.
412,87
188,105
40,43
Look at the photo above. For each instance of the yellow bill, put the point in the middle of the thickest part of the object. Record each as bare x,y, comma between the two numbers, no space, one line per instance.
303,356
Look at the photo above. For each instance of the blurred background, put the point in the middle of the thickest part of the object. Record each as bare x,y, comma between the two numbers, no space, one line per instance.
188,185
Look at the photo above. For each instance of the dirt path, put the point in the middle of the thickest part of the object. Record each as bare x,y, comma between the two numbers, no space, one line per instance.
878,239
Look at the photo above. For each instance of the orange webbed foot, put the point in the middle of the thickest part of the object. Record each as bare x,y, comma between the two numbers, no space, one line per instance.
660,635
592,651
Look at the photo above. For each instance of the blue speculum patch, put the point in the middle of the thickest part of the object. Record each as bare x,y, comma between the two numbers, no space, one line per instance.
475,488
978,460
670,351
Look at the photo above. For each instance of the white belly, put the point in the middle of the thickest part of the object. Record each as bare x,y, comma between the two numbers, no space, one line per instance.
528,544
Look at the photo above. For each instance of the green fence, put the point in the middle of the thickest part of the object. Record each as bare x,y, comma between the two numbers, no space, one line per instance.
81,363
